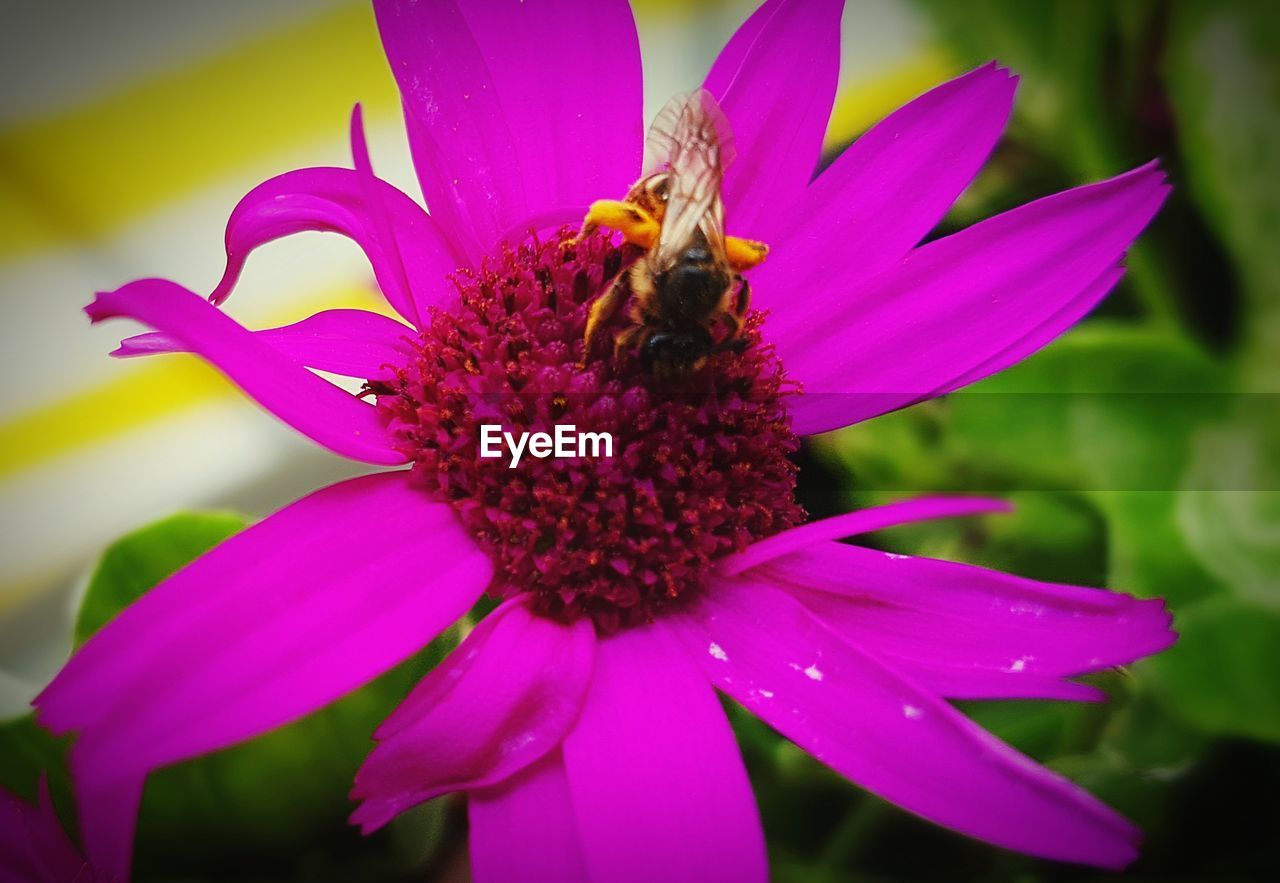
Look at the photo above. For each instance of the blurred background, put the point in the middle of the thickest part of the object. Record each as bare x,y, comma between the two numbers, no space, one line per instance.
1142,449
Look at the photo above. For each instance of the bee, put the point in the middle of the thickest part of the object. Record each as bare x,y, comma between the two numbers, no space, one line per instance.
687,285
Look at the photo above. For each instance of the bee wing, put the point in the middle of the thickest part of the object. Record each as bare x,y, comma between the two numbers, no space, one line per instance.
671,126
660,141
691,138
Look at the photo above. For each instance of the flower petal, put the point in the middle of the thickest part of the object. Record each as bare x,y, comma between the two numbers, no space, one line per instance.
376,211
108,811
33,846
776,82
1047,332
967,631
956,303
889,188
570,83
354,343
500,701
524,829
313,406
273,623
515,110
334,200
853,523
652,728
955,682
883,731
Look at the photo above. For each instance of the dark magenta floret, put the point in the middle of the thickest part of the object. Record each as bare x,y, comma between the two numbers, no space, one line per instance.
699,470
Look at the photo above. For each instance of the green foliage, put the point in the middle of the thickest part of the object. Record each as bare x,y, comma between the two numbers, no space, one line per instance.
1224,85
133,564
1220,677
1109,407
1142,449
1229,510
26,752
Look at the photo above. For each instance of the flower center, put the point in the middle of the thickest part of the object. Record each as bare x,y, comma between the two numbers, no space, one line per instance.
700,467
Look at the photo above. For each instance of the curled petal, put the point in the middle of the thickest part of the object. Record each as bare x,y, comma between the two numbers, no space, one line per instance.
776,81
504,698
354,343
313,406
652,728
897,739
880,197
525,829
412,271
958,303
377,214
853,523
270,625
967,631
514,109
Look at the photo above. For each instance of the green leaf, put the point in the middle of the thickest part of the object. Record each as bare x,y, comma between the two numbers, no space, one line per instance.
1230,509
1092,436
1221,675
26,752
1148,553
1106,407
1041,729
1056,47
278,800
1139,755
1224,84
1083,98
1112,412
137,562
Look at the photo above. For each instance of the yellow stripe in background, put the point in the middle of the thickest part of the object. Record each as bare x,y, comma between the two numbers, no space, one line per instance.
75,177
167,385
862,105
160,387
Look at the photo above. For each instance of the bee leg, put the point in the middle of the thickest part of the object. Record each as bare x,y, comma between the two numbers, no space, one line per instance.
733,345
631,338
733,309
601,312
733,316
741,299
635,224
743,254
732,323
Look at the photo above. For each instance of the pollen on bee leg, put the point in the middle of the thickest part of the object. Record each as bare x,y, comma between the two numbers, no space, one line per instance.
635,224
743,254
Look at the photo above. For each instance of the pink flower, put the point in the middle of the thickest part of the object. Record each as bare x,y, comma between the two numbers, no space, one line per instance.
33,846
580,716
